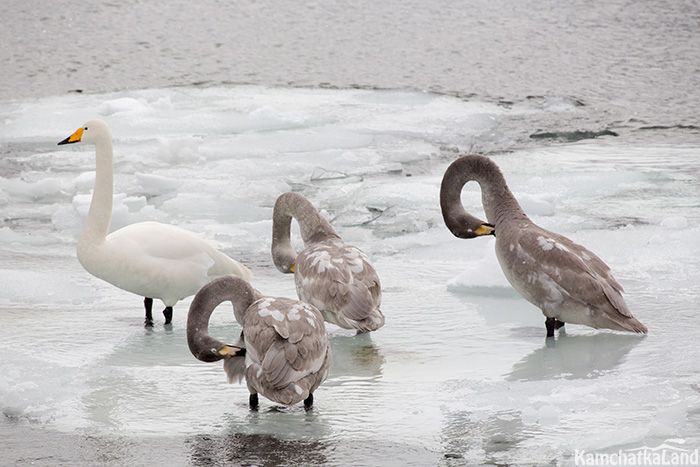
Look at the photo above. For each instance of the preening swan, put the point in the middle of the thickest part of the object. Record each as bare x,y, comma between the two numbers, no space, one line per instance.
336,278
283,351
149,259
565,280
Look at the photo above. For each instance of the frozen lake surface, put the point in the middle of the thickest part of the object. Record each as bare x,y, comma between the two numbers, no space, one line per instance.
460,374
589,108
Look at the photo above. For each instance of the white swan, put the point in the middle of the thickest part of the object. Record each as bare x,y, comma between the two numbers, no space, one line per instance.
336,278
283,351
149,259
565,280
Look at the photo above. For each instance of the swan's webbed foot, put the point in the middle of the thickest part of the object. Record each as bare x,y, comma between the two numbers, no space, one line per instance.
552,324
309,402
148,304
168,313
253,401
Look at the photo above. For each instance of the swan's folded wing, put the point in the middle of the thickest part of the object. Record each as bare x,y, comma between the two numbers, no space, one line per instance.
359,299
573,268
162,241
341,278
164,247
289,338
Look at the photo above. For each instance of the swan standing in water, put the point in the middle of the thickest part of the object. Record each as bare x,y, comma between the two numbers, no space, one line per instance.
283,351
149,259
565,280
336,278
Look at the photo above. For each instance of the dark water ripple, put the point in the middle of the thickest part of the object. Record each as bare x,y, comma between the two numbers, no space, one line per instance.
630,64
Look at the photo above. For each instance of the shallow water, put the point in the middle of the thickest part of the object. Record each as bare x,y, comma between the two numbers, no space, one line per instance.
589,110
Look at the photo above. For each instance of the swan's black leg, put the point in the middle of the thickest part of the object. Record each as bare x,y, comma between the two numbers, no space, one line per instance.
253,401
148,304
309,402
168,313
550,324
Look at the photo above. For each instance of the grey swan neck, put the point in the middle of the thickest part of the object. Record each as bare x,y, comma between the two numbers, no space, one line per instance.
227,288
99,214
314,228
500,206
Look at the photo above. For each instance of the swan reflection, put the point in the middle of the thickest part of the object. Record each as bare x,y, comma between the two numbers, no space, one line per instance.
261,450
575,357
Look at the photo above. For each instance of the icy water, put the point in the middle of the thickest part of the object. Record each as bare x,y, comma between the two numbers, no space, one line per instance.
591,113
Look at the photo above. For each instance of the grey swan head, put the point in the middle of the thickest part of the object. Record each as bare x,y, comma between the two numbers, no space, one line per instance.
566,281
333,276
461,223
283,351
150,259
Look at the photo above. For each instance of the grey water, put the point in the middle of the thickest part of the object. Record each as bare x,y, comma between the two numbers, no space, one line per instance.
632,66
608,91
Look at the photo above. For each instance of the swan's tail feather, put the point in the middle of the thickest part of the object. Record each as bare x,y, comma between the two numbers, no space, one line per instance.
241,271
373,322
291,394
634,325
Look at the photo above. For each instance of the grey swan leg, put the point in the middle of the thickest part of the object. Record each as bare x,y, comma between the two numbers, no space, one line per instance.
148,304
309,402
551,324
168,313
253,401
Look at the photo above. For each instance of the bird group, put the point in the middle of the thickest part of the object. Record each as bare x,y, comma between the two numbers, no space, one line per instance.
283,351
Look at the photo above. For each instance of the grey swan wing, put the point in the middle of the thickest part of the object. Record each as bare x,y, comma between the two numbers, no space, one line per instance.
344,281
286,338
574,269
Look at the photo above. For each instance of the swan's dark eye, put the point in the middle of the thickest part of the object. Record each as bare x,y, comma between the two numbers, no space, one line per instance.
85,128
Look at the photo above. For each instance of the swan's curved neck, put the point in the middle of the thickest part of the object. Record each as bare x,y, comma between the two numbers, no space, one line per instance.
313,226
227,288
499,203
99,215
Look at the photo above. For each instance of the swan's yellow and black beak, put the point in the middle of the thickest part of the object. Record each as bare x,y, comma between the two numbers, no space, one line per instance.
485,229
74,138
231,351
293,266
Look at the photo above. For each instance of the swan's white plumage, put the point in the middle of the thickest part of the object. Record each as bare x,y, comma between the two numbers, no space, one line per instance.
149,259
158,261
